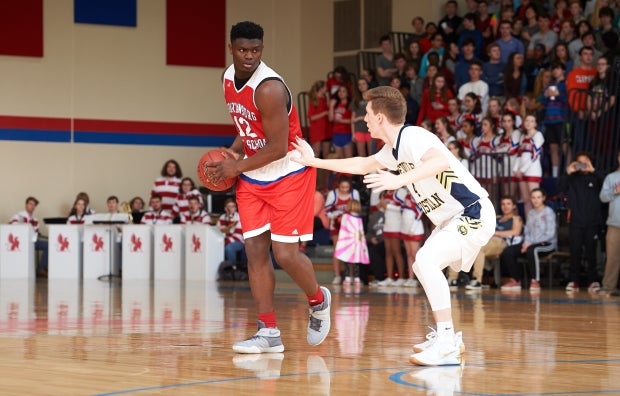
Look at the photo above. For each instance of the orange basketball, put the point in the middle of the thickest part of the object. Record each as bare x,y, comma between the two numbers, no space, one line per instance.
205,172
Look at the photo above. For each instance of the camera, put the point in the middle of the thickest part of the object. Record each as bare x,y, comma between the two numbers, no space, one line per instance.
580,166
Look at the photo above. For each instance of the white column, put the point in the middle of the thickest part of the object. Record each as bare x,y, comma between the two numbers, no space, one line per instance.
97,257
168,252
65,251
137,252
204,251
17,252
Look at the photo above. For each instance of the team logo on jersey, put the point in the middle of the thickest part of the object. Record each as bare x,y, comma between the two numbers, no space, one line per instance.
468,223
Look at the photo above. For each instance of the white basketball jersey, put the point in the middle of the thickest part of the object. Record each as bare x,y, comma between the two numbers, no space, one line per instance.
452,192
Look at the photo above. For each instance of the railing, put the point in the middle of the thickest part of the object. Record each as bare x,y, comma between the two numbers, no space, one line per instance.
367,60
493,171
595,131
400,40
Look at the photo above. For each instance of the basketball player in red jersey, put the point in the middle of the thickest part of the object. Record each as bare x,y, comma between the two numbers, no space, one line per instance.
275,195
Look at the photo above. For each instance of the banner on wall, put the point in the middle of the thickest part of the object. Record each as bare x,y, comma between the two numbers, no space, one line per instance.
105,12
21,28
196,33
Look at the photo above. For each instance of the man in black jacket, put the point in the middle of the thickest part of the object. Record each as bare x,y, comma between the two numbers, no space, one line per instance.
582,184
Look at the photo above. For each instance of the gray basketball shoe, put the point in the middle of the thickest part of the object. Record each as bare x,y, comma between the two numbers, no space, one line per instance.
319,320
266,340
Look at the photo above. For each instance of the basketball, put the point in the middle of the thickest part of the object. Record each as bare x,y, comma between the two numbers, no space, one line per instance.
205,172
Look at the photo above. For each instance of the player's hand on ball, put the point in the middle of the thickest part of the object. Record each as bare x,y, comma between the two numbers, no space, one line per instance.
304,153
382,181
224,169
231,153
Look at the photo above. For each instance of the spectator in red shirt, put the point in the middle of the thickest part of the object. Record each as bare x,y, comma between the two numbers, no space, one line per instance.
435,100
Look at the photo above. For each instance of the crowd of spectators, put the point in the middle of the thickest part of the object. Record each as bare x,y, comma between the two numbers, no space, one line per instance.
511,88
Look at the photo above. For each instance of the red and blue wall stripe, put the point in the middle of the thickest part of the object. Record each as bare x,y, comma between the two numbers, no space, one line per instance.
78,130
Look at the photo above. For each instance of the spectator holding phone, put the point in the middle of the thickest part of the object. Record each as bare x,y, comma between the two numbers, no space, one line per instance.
582,185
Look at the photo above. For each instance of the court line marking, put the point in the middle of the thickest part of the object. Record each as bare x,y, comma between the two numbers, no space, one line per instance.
396,378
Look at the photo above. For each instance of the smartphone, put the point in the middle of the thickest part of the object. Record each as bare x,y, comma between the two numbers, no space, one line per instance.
580,166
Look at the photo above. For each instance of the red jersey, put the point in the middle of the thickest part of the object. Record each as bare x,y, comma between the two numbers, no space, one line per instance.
248,121
245,114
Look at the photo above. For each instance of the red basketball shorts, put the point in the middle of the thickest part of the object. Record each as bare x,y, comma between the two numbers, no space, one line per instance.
284,207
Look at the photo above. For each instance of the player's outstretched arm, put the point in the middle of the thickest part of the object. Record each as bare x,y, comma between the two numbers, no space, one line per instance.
432,163
355,165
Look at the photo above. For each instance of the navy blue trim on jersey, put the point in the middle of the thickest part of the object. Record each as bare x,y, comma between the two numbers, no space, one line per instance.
266,182
395,149
473,211
464,195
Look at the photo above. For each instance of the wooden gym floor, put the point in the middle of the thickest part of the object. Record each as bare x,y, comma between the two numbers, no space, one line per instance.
132,338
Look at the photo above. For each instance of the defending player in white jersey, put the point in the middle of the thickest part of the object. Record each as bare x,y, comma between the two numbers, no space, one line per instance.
449,195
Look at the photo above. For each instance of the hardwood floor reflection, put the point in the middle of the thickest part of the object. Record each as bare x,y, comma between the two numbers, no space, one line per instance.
167,338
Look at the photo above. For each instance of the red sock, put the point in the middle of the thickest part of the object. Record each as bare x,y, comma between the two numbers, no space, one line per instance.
317,298
268,318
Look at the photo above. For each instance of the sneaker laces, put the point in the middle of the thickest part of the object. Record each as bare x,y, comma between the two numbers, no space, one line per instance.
432,336
315,323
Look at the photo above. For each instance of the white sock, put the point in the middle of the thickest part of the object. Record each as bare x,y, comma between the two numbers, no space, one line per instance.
445,329
555,170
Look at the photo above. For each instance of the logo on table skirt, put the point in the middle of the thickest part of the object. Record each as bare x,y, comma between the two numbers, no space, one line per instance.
97,243
136,243
62,243
12,244
166,243
196,245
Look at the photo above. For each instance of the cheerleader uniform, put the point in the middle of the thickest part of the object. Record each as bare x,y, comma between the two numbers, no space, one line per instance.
508,146
393,216
528,157
411,226
484,166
